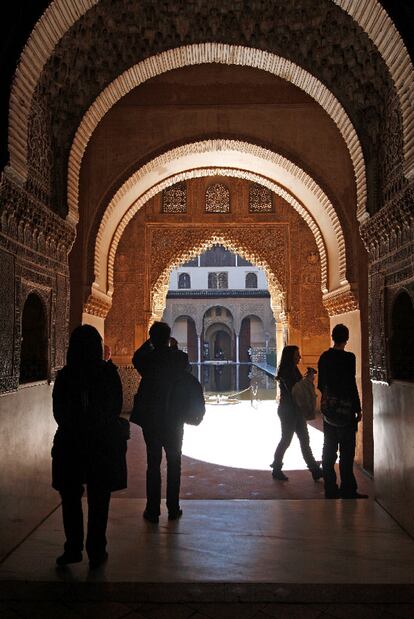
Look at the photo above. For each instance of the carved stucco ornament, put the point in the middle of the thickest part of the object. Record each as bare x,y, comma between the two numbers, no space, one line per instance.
170,249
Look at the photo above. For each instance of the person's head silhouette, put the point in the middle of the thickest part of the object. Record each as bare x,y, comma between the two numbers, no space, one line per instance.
159,334
85,347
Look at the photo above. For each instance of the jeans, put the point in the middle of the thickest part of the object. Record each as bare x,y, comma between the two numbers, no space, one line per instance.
291,422
172,442
98,508
344,438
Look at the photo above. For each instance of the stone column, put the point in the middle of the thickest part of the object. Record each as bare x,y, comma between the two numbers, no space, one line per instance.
279,341
237,348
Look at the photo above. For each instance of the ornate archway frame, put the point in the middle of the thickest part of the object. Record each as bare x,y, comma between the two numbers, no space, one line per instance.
158,293
60,16
213,53
238,159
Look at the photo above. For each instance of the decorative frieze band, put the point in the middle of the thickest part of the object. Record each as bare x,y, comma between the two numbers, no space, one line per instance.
340,301
391,227
27,222
96,306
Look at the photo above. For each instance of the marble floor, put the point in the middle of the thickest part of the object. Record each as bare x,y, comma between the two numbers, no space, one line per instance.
231,551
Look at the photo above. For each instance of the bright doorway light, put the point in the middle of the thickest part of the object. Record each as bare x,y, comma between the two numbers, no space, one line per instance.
244,437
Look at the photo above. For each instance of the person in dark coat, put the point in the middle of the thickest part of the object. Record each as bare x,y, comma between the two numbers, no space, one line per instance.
159,365
89,446
337,369
291,418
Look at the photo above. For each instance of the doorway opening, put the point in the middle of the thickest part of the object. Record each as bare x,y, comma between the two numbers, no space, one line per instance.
33,357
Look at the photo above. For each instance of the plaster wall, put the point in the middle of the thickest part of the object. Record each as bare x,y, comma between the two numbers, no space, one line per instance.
94,321
205,100
26,433
236,277
394,450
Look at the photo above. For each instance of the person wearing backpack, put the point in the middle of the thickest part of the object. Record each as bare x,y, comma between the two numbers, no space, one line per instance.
341,411
160,367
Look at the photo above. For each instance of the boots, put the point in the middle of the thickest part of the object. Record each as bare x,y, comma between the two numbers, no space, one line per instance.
277,472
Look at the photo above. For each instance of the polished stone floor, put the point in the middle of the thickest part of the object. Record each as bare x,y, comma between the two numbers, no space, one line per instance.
222,559
288,553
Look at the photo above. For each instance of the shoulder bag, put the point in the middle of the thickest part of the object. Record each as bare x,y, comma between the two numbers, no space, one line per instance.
337,411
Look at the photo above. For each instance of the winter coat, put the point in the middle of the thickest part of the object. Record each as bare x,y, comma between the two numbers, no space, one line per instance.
159,368
90,443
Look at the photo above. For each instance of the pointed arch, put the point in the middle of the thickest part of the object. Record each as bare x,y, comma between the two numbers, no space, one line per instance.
213,53
226,158
61,15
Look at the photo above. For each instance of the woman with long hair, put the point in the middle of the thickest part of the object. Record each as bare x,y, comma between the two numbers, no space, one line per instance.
89,445
291,418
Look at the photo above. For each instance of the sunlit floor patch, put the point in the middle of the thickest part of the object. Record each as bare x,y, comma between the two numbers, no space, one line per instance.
244,437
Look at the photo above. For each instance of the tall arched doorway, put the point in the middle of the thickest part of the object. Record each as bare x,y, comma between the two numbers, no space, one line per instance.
34,348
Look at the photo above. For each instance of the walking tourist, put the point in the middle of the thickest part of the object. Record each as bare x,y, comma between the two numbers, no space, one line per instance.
291,418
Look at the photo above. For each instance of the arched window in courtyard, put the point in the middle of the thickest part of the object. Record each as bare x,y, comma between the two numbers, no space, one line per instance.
33,355
217,199
251,280
402,338
184,281
218,280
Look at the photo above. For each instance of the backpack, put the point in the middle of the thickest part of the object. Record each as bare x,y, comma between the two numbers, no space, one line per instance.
304,396
187,399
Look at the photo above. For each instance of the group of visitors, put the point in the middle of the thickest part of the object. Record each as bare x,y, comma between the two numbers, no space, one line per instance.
340,407
90,443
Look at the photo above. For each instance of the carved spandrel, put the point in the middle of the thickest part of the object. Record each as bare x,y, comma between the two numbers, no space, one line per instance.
174,246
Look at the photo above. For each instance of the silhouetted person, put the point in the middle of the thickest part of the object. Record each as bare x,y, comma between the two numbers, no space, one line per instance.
173,343
337,380
158,364
291,418
89,445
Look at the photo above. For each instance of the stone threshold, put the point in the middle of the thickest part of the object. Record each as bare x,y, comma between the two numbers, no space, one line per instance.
176,593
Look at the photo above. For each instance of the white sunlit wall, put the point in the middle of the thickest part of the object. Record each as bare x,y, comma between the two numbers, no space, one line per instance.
236,277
